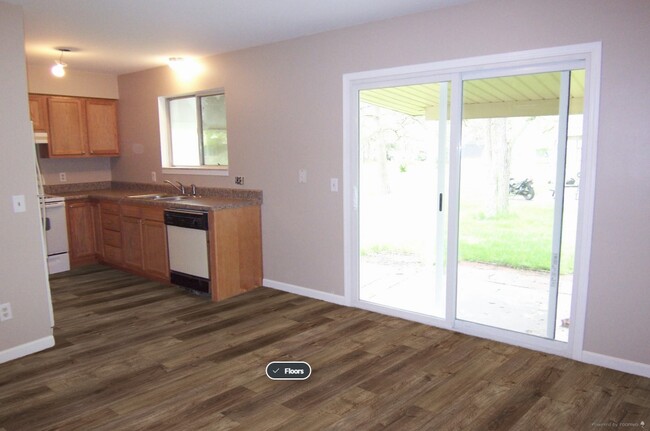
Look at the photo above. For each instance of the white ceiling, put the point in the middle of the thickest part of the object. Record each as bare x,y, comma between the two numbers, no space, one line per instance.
122,36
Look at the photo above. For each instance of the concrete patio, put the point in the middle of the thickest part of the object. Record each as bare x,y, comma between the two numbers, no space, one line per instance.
492,295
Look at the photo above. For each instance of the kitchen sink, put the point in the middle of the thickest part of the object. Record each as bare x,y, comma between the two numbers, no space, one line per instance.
151,196
171,198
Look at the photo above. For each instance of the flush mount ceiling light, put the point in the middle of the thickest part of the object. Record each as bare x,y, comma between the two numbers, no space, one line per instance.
58,69
185,68
176,63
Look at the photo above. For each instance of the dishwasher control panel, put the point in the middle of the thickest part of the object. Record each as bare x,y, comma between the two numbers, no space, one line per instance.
189,219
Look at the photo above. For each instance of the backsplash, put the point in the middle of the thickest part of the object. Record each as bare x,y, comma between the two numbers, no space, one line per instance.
147,187
53,189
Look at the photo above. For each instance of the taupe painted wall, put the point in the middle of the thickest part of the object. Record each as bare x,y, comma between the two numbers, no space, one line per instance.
23,280
74,83
285,113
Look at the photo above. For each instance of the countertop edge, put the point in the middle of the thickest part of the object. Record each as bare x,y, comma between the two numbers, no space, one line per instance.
208,203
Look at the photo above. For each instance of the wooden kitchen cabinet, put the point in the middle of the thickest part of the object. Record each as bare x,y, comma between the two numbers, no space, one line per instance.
111,232
132,242
235,251
154,239
144,241
133,237
97,224
67,136
82,127
81,232
101,123
38,112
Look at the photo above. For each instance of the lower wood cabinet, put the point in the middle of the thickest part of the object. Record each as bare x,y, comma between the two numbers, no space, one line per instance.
134,237
235,251
97,226
144,240
154,254
81,232
111,236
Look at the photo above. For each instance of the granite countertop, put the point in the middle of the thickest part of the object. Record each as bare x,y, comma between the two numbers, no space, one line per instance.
209,199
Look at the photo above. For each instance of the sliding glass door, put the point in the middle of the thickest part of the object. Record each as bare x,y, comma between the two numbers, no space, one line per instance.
403,159
519,177
466,197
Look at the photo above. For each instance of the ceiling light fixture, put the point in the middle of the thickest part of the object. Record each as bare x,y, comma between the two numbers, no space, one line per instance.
185,69
58,69
176,63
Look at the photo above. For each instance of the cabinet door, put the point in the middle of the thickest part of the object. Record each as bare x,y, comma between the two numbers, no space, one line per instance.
97,224
38,112
67,136
81,233
132,242
101,117
156,262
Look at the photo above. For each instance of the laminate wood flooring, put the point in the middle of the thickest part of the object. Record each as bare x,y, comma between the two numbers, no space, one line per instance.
132,354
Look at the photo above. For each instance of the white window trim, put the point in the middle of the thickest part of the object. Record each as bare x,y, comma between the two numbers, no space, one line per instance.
165,140
196,170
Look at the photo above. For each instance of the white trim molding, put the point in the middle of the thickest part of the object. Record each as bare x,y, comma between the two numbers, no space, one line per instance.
619,364
305,291
26,349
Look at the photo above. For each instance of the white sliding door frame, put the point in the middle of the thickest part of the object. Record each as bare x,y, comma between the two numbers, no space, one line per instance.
587,56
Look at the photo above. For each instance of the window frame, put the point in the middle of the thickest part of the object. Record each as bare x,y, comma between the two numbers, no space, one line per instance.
166,142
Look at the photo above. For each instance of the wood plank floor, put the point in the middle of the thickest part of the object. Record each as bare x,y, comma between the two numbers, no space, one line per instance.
135,354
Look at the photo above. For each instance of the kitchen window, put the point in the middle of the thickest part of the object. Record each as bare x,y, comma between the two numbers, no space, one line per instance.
193,133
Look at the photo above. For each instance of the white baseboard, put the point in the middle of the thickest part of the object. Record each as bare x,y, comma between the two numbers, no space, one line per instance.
26,349
305,291
638,368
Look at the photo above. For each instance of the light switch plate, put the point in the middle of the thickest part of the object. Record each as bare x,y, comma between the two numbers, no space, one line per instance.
19,203
334,184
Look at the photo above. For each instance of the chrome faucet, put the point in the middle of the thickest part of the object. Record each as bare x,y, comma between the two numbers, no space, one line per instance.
180,187
193,190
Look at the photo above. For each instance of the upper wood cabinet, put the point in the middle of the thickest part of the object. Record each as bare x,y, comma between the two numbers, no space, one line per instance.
101,122
67,135
38,112
77,126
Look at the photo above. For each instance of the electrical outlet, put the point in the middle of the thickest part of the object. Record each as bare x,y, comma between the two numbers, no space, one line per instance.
63,177
302,176
5,312
153,176
239,181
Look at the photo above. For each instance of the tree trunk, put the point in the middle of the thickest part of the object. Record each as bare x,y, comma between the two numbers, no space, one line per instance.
500,152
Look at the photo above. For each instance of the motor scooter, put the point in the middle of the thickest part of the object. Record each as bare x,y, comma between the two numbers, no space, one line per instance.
523,188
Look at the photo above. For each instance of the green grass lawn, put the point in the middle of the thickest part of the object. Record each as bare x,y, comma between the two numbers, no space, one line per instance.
520,239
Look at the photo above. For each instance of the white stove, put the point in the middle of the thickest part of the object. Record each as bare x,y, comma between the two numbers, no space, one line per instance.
56,233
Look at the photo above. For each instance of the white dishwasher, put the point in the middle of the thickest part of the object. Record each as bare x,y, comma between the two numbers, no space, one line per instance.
187,243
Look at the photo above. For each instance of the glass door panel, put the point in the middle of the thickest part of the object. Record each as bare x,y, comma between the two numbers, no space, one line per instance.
514,152
403,160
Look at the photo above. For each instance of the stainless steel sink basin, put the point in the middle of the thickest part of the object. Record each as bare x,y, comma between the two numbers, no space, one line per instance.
171,198
151,196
